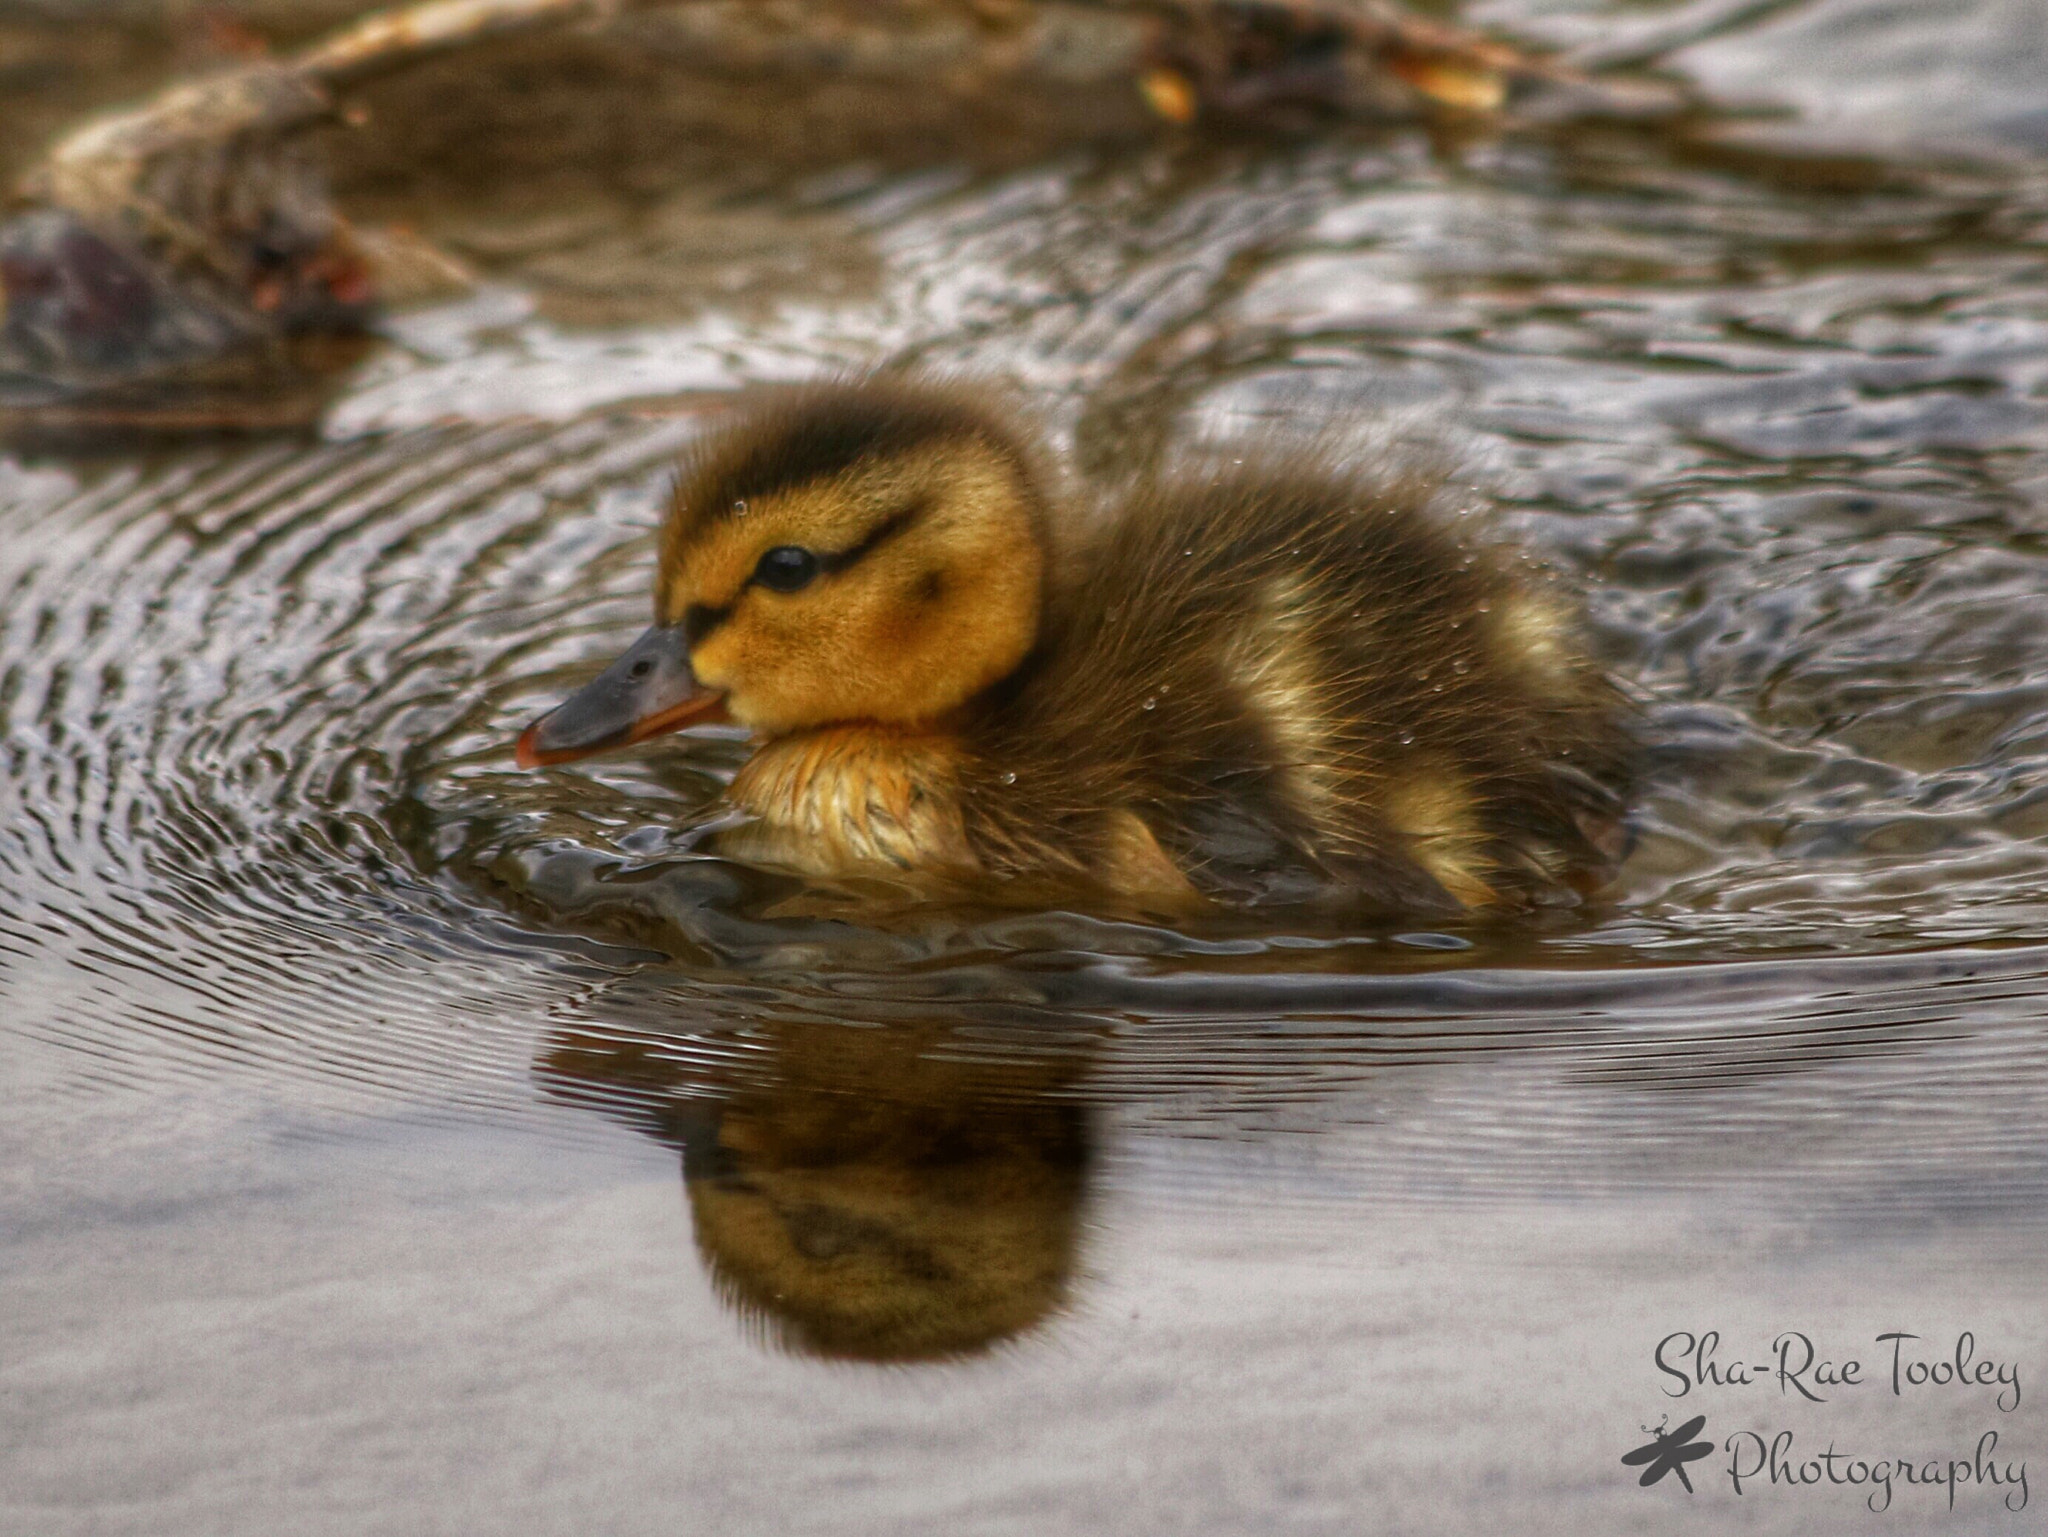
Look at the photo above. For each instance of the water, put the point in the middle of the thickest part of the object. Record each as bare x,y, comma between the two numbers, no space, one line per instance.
399,1141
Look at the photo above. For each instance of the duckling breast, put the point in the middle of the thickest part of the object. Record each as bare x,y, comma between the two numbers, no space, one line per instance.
835,801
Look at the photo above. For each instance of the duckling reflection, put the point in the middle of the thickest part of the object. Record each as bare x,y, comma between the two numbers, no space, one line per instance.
870,1193
915,1189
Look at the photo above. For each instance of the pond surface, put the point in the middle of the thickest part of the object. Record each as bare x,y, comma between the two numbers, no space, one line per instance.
397,1141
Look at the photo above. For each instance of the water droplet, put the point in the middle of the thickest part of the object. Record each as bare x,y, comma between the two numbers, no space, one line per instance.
1151,704
1009,776
739,508
1486,605
1461,667
1407,739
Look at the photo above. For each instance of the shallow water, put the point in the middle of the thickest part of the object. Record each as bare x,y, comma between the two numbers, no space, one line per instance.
349,1069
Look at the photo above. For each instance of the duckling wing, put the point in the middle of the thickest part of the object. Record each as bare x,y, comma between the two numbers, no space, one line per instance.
1233,854
1305,684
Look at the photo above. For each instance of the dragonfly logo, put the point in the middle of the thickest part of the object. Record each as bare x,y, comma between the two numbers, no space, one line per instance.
1669,1451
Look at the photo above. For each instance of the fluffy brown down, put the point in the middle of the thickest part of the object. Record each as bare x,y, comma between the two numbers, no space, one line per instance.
1303,683
1291,679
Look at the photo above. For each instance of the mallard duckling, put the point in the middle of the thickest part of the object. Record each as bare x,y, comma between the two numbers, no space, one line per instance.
1288,680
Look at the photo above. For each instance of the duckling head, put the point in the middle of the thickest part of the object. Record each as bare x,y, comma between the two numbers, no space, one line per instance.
857,552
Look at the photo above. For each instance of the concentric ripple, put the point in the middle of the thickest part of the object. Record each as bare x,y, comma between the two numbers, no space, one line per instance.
218,672
258,805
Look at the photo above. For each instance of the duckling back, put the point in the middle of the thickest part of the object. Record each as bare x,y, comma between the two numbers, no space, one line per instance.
1297,683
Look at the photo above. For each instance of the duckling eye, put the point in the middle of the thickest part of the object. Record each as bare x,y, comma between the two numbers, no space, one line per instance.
786,568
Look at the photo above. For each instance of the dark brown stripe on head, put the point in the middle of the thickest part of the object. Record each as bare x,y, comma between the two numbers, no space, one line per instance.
824,432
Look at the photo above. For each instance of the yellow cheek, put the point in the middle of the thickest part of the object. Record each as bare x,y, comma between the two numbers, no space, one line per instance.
711,659
782,669
751,670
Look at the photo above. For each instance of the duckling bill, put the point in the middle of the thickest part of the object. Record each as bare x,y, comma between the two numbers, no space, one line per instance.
1292,681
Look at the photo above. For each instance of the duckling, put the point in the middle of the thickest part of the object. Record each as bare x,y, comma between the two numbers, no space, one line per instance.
1290,680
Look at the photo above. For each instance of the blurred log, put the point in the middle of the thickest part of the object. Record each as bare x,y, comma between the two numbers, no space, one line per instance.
200,225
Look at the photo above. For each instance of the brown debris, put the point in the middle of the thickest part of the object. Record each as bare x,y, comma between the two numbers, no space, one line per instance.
201,224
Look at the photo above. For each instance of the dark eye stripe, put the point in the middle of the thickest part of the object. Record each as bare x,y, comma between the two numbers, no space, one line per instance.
700,619
880,534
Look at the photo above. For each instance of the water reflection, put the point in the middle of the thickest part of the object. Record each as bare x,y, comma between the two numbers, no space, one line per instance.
896,1177
891,1191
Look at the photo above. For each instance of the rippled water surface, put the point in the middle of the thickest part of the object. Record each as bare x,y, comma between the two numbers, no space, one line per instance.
398,1141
